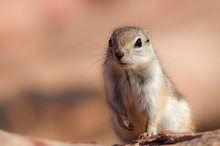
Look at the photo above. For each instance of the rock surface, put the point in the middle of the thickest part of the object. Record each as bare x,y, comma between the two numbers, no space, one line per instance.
211,138
8,139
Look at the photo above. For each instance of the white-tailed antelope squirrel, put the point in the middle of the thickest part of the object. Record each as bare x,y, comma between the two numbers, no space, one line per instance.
143,100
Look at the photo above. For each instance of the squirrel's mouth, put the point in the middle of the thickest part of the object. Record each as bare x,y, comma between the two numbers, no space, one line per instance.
121,63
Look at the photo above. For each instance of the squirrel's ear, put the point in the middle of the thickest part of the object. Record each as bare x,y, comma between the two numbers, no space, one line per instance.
146,32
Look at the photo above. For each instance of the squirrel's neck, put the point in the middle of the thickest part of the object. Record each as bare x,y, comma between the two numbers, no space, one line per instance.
151,72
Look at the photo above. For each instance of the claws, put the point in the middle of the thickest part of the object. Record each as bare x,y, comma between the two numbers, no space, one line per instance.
147,134
144,135
124,123
128,125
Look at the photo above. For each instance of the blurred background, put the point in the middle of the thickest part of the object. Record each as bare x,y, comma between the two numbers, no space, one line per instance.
51,55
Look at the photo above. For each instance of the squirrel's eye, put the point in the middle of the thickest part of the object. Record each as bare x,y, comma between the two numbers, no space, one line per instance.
110,43
138,43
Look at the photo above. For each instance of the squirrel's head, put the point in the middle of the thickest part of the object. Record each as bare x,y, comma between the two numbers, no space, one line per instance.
129,47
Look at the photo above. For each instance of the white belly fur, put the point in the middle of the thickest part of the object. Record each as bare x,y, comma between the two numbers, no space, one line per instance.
171,120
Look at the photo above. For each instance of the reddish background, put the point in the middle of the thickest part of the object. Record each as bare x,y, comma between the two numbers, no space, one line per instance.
51,54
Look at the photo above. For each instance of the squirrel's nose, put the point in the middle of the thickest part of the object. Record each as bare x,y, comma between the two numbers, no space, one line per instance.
119,54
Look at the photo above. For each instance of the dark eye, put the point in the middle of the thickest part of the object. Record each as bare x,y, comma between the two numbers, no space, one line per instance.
138,43
110,43
147,40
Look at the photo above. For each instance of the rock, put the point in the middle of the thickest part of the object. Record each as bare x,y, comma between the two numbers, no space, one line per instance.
8,139
211,138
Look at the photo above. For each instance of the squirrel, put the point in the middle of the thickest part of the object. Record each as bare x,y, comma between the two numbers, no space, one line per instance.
142,98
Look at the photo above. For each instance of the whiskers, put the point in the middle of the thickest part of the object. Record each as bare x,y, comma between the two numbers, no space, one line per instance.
108,59
101,59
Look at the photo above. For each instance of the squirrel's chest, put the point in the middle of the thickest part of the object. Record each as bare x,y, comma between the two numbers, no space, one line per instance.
131,92
132,105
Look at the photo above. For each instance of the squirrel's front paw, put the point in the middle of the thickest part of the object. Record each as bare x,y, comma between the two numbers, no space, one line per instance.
147,134
126,124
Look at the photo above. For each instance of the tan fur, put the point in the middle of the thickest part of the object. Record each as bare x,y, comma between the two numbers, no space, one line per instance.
142,98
